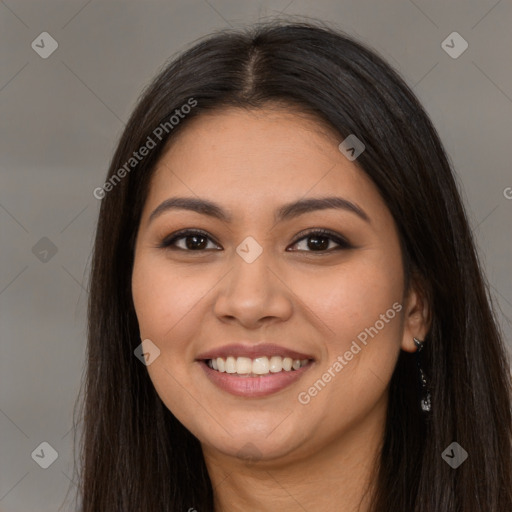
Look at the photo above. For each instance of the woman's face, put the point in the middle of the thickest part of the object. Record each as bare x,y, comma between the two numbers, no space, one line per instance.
256,290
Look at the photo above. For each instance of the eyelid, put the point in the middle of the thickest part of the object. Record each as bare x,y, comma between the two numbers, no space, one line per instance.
336,237
343,243
167,242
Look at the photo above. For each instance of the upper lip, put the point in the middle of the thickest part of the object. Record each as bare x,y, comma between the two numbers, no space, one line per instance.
252,351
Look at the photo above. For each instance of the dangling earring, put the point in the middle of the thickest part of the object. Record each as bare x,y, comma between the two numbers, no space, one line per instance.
426,403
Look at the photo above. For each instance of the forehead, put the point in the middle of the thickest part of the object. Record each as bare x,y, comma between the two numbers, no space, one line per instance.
257,157
235,134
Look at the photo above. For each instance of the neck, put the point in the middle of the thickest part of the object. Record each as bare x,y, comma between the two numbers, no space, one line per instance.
338,477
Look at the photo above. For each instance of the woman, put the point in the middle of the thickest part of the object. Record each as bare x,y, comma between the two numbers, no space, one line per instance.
286,306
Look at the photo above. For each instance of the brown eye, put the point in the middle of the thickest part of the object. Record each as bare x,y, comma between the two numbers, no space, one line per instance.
321,240
193,241
189,240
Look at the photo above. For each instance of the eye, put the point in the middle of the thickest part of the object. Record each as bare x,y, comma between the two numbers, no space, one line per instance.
320,240
195,240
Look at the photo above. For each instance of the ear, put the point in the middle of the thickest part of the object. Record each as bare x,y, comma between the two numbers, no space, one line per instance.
417,317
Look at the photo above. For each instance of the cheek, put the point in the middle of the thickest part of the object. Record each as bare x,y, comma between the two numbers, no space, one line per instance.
163,297
359,309
350,299
164,302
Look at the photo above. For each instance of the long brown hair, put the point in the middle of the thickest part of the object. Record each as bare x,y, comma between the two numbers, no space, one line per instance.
135,455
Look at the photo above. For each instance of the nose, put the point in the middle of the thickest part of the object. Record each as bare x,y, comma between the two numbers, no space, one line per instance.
253,294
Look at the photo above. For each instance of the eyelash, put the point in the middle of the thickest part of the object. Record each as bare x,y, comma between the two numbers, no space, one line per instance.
168,242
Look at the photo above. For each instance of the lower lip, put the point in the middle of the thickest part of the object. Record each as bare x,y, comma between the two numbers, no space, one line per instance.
253,387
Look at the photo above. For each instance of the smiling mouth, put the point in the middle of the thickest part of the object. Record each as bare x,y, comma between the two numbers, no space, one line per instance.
257,367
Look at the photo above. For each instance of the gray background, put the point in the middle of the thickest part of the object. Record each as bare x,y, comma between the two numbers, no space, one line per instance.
60,120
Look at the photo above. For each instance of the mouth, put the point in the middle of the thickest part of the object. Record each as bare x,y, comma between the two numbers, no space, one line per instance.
257,367
254,371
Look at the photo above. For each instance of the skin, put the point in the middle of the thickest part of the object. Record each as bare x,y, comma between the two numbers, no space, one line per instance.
318,455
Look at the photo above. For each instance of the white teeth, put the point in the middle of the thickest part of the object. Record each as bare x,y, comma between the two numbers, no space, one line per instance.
258,366
230,365
276,364
243,365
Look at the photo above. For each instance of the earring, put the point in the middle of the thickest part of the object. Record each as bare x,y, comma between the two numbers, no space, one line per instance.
426,402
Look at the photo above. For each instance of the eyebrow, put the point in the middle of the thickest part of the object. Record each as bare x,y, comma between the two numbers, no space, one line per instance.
285,212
